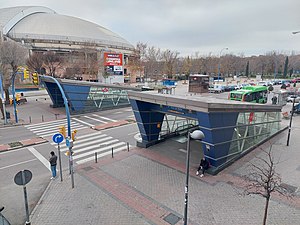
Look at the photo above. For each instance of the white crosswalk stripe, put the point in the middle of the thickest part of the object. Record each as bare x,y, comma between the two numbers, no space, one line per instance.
50,128
85,146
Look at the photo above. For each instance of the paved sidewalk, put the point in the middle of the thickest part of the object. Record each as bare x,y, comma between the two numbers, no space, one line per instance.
145,187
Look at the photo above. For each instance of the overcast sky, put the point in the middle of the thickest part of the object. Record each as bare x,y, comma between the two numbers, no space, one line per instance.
251,27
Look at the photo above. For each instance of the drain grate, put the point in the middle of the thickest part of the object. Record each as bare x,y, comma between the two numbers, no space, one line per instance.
288,187
172,219
88,168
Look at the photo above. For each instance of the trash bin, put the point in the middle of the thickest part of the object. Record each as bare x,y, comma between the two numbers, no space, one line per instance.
7,115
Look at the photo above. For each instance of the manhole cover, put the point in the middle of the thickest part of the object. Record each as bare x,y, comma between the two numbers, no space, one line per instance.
172,219
88,168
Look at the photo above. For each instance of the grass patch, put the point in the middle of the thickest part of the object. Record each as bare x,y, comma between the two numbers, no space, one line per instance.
15,144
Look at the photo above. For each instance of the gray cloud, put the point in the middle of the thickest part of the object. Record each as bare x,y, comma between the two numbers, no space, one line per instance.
248,26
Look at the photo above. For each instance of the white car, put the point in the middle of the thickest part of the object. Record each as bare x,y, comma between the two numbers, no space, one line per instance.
292,97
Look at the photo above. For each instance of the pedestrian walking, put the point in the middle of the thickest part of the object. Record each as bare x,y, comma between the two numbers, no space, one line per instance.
204,165
52,160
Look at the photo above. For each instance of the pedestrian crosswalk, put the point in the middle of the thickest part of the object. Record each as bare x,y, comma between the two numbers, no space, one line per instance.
86,145
50,128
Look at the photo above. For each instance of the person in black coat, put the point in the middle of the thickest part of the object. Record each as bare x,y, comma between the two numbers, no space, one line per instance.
204,165
53,160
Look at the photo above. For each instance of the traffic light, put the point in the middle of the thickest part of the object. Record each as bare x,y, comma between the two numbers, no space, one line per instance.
35,78
62,130
26,74
74,135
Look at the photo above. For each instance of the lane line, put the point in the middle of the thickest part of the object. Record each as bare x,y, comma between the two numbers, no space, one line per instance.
80,121
86,137
16,164
40,127
91,118
133,133
78,146
98,150
105,118
100,155
40,157
52,122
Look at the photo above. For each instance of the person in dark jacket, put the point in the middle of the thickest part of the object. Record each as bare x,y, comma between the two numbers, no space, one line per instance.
52,161
204,165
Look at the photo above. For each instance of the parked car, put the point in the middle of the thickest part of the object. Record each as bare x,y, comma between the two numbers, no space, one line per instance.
292,97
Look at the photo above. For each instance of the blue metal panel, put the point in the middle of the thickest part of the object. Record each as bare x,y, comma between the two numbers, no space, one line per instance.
77,95
54,94
147,120
217,128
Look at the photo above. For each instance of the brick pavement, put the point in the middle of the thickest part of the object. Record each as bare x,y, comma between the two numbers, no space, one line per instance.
142,187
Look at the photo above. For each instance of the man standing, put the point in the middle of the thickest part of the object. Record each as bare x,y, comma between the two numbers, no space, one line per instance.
52,161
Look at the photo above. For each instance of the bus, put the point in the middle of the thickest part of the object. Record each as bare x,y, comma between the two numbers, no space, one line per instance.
258,94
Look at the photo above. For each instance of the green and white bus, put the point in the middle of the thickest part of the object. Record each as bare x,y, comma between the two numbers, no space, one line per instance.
258,94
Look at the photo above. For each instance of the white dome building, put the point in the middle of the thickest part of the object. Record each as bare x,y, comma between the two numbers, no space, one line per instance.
42,29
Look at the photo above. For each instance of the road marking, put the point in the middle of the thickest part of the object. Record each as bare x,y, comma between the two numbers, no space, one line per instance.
133,133
39,157
117,112
91,118
80,121
99,150
182,150
101,155
105,118
16,164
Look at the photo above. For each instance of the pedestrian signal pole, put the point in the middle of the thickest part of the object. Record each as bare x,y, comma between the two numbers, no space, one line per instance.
70,145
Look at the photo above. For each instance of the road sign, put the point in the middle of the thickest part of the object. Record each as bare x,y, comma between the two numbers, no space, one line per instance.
19,179
69,143
58,138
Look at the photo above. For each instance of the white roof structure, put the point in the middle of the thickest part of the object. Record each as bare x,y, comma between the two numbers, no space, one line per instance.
33,24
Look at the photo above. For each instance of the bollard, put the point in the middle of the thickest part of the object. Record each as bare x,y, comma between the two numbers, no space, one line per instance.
127,147
96,157
56,115
29,119
42,118
112,152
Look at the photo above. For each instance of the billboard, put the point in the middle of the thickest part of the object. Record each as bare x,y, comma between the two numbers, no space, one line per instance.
113,59
113,63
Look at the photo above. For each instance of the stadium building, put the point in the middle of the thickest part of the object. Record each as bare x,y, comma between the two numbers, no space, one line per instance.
90,51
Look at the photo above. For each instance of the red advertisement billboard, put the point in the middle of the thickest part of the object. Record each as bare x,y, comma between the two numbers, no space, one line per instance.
113,59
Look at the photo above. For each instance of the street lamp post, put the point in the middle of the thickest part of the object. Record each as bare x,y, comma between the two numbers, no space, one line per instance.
219,66
197,135
292,113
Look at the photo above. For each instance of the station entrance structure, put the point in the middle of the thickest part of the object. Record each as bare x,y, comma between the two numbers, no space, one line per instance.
231,128
86,96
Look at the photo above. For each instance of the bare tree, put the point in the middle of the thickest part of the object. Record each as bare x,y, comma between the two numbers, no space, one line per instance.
35,62
52,62
12,55
169,57
264,180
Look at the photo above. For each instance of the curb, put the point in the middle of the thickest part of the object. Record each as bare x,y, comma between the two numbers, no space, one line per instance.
21,144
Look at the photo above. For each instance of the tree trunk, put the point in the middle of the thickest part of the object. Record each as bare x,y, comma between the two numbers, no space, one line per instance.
266,211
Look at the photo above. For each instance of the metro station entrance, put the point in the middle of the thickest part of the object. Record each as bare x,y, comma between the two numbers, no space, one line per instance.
231,128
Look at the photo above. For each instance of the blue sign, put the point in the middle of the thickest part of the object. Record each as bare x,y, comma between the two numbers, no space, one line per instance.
67,142
58,138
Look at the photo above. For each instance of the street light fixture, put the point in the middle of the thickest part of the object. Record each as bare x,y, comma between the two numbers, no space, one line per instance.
219,67
295,32
197,135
